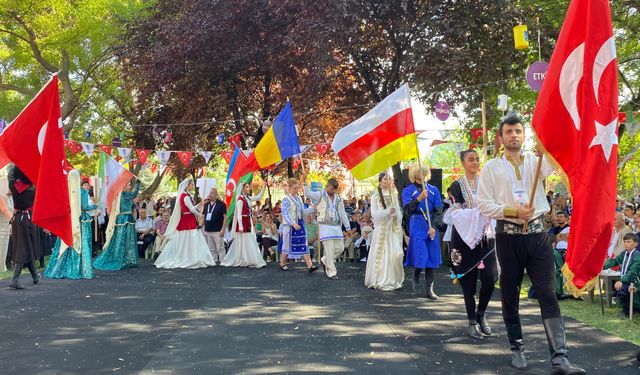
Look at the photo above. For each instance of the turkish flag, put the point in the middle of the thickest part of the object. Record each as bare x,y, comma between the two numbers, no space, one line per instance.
226,155
322,148
35,144
476,133
142,155
185,157
106,149
576,120
74,147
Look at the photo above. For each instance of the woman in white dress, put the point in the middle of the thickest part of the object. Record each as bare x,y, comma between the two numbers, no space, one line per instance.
384,263
185,246
244,251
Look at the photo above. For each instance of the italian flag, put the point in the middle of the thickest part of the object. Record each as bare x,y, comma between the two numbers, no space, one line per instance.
114,178
381,138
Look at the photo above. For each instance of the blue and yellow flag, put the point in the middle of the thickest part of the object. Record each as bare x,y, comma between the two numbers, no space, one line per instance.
280,141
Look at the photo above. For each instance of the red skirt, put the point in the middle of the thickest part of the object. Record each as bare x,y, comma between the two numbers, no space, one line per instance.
187,222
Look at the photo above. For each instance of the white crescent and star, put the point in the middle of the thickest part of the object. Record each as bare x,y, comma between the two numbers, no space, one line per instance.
570,77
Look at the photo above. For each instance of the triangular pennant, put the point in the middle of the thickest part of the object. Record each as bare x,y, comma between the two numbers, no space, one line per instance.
323,148
88,148
235,140
74,147
154,168
476,133
206,155
227,155
125,153
143,155
106,149
185,157
163,156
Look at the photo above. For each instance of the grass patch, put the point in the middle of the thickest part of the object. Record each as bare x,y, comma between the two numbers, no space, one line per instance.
590,314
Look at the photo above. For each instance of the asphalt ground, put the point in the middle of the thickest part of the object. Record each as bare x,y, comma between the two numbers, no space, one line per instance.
265,321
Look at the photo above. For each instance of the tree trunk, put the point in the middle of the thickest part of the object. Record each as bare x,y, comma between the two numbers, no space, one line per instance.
154,185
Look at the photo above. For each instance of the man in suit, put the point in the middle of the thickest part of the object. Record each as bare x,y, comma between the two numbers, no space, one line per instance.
620,229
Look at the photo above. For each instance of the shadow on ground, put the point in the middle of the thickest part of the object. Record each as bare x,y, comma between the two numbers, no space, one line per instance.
264,321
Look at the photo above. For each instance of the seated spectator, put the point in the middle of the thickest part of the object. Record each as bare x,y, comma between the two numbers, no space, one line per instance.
144,229
311,226
351,235
636,223
629,263
562,222
629,211
269,236
161,227
364,242
159,213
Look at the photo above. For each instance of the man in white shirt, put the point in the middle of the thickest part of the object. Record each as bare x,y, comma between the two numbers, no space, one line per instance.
331,218
503,194
149,204
144,230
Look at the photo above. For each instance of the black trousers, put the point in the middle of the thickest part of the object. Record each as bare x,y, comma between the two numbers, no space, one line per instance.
147,240
533,252
469,283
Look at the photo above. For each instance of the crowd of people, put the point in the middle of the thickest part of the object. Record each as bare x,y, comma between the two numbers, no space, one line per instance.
484,227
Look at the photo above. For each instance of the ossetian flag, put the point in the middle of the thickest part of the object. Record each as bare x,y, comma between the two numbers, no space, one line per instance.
382,137
279,142
576,118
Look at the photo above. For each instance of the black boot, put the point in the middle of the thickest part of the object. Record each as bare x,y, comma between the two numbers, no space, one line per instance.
482,321
416,280
474,330
17,269
34,273
518,359
560,365
428,277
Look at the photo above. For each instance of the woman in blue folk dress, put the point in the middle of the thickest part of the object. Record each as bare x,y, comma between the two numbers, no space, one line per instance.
423,251
294,235
120,249
74,262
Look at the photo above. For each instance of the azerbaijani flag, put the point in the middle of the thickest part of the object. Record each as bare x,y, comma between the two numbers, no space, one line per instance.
114,179
240,171
382,137
279,142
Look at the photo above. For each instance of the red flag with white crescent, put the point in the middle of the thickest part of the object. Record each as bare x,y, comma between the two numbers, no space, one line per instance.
576,120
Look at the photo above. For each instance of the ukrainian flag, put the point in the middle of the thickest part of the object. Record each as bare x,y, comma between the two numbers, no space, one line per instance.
280,141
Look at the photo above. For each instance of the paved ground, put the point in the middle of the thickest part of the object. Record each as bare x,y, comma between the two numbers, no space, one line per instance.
249,321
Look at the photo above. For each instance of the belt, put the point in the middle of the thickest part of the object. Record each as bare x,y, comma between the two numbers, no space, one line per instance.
534,226
187,213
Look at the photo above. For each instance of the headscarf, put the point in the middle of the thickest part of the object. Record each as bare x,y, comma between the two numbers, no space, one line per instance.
238,193
73,180
177,209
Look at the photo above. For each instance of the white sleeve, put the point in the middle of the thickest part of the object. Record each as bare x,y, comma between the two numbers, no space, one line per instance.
239,205
378,213
486,196
190,206
256,198
358,242
343,215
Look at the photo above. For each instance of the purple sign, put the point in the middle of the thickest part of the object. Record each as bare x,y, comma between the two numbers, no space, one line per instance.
442,110
535,75
116,142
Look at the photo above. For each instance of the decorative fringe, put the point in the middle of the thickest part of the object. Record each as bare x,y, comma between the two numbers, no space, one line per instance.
481,265
571,288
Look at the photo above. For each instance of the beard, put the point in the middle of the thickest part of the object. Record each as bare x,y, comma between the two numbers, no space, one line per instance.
513,147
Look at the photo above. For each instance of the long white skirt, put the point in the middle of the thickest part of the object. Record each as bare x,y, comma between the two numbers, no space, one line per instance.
384,262
244,252
185,249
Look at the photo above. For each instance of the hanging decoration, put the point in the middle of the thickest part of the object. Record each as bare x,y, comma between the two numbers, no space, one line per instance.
154,168
323,148
185,157
106,149
167,137
442,110
227,155
163,156
436,142
206,155
125,153
143,155
521,37
220,139
116,142
476,133
88,148
74,147
87,134
536,74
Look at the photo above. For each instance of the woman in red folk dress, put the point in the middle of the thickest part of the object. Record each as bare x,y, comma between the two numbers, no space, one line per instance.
185,246
244,251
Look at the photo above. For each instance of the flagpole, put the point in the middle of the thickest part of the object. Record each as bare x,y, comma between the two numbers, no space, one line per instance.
533,191
95,218
484,130
424,183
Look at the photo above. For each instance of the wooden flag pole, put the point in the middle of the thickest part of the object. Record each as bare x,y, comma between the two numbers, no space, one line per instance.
95,218
484,130
424,183
533,191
